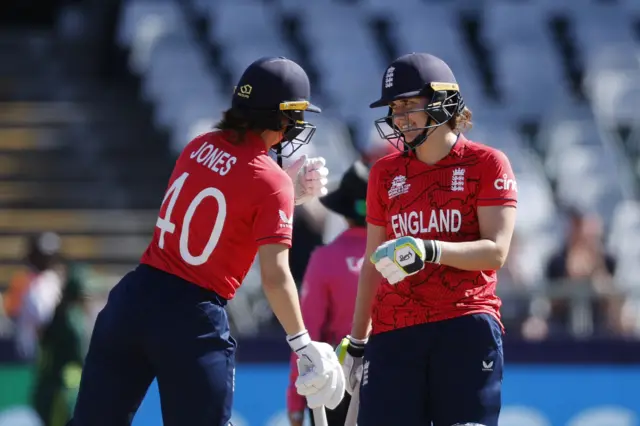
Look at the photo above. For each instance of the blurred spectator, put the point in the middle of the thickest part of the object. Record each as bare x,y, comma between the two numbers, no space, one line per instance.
630,317
514,284
33,294
581,276
63,346
377,148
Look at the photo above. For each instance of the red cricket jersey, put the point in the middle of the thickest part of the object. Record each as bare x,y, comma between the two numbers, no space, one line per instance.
224,200
440,201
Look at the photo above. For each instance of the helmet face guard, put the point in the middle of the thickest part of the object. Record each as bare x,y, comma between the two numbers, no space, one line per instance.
297,133
445,101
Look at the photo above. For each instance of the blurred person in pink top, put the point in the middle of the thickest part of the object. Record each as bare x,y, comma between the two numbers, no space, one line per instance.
330,283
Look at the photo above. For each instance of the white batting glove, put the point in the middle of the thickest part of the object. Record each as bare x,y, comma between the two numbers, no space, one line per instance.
320,378
350,353
309,176
405,256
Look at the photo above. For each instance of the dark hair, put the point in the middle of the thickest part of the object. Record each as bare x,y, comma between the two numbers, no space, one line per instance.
43,250
235,121
241,121
461,121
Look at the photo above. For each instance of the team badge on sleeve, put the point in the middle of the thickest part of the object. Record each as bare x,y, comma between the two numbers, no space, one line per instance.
285,221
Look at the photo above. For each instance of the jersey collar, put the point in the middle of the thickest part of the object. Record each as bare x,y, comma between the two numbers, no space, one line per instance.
251,139
456,150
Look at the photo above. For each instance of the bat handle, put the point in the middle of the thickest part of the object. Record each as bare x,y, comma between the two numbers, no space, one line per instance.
354,405
320,417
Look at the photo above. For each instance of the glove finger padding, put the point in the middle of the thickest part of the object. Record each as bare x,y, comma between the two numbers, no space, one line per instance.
294,168
296,171
350,354
338,390
317,358
312,376
315,163
313,178
389,270
393,274
315,174
321,389
352,369
320,397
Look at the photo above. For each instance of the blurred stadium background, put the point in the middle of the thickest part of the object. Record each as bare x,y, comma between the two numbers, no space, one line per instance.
97,97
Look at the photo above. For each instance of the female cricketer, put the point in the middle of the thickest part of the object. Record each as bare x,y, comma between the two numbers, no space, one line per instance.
331,281
226,201
440,215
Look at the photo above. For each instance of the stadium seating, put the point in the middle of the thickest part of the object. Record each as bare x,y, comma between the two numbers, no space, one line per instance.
576,156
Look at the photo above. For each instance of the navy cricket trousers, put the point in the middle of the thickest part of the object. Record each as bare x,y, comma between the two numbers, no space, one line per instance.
442,373
156,325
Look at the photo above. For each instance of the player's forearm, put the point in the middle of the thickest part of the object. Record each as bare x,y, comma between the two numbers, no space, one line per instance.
282,295
367,288
473,255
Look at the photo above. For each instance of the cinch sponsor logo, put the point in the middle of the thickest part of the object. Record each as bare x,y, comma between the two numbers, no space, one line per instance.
505,184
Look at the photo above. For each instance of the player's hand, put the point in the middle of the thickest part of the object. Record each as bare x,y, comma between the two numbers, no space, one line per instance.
405,256
309,176
320,378
350,353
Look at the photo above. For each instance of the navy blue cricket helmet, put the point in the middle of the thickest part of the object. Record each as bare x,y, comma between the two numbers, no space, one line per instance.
418,75
272,89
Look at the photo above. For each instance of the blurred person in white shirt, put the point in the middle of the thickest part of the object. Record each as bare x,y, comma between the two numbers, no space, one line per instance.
41,294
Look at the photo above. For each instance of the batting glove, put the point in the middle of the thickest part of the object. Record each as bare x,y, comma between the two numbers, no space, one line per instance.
405,256
309,176
350,353
320,378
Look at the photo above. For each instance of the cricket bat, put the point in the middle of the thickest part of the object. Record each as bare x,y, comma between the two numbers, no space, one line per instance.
320,417
352,412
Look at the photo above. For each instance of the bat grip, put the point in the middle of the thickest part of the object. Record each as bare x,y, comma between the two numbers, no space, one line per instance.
320,416
352,412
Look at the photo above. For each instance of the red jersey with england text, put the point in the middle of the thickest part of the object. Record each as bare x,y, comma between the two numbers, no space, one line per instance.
439,201
224,200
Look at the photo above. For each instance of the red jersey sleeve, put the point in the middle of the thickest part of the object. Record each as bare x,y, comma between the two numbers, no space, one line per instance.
273,220
375,205
498,185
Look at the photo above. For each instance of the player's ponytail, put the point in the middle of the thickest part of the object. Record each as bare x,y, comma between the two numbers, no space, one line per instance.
241,121
461,121
233,120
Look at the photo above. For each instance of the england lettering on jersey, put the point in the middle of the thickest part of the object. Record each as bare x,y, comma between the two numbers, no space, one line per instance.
210,226
439,202
415,223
